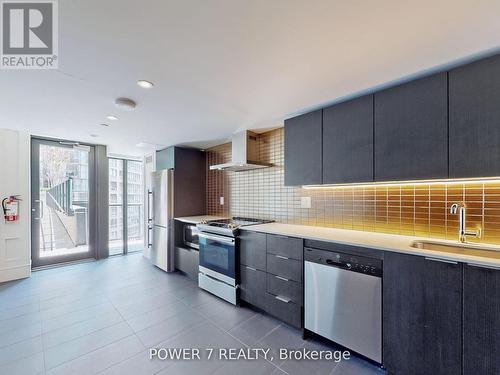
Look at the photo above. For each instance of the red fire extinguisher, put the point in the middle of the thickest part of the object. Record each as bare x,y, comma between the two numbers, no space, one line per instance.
10,207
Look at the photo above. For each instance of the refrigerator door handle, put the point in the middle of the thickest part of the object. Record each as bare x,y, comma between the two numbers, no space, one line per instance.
149,237
150,196
171,194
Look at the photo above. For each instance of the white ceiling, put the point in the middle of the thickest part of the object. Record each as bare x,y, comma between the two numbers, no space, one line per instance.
224,65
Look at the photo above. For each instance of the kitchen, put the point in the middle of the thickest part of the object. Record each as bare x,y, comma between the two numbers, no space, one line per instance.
284,187
340,226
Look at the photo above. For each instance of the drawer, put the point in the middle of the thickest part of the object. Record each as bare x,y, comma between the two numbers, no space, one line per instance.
287,246
187,261
280,286
281,266
253,286
287,312
253,249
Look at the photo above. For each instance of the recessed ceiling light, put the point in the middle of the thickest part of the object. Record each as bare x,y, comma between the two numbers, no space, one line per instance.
94,135
125,103
103,124
145,84
112,117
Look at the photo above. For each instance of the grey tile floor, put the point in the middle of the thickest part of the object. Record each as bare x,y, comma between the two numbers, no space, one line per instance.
102,317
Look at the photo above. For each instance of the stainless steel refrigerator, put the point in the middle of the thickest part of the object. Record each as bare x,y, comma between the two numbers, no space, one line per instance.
160,219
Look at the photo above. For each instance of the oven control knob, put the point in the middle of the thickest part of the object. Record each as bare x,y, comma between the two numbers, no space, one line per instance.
232,226
203,222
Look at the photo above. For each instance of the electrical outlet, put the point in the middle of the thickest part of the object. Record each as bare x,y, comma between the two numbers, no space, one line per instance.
305,202
221,201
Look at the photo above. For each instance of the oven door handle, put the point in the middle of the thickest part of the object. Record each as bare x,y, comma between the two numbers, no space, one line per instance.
217,238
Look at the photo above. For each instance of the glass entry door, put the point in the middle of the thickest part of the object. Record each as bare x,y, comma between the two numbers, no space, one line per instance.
62,201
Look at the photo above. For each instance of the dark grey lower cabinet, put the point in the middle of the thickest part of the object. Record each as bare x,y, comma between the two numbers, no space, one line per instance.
274,285
289,247
253,249
481,328
288,268
253,286
187,261
284,310
281,286
422,316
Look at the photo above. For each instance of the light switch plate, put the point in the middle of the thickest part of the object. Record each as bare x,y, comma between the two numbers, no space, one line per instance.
221,201
305,202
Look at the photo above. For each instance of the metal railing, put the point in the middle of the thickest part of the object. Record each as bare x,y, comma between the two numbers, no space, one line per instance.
60,197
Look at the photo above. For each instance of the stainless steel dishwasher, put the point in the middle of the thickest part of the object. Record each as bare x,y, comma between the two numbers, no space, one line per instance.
343,300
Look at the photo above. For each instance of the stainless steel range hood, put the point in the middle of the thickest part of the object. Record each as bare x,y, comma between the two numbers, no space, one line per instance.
245,154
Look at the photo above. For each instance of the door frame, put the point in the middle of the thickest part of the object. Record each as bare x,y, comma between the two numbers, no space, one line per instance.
36,261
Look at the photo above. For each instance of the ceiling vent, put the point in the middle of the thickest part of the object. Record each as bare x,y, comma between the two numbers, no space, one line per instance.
125,104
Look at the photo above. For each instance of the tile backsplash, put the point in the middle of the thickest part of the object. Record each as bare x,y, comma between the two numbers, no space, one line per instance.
410,209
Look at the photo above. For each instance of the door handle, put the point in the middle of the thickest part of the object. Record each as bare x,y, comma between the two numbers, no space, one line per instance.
40,209
281,257
150,196
215,237
149,237
282,299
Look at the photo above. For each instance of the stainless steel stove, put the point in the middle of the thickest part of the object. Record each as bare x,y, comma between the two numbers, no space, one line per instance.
219,256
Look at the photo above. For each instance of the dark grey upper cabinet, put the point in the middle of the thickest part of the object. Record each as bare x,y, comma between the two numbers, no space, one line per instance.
411,130
475,119
422,319
190,178
303,155
348,141
189,182
481,321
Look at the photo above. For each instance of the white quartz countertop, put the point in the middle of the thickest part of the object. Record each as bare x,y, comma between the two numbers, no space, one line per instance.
198,219
380,241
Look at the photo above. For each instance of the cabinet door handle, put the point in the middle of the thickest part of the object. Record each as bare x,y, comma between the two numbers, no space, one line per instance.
441,260
250,268
282,299
281,257
484,266
281,278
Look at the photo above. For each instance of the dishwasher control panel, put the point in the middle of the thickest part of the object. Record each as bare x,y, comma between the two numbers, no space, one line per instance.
355,263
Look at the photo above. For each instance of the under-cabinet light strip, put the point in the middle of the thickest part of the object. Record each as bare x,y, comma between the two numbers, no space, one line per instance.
399,183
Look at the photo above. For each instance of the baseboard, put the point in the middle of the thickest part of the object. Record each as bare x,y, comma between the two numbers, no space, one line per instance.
15,273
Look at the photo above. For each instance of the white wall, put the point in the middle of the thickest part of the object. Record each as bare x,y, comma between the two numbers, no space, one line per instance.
15,241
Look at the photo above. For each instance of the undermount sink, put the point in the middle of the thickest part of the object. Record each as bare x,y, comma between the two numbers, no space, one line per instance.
459,248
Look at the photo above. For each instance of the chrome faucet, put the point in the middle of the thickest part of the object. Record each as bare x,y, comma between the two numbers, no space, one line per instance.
463,233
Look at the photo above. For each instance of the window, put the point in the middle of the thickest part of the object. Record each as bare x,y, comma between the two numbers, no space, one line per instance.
126,207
